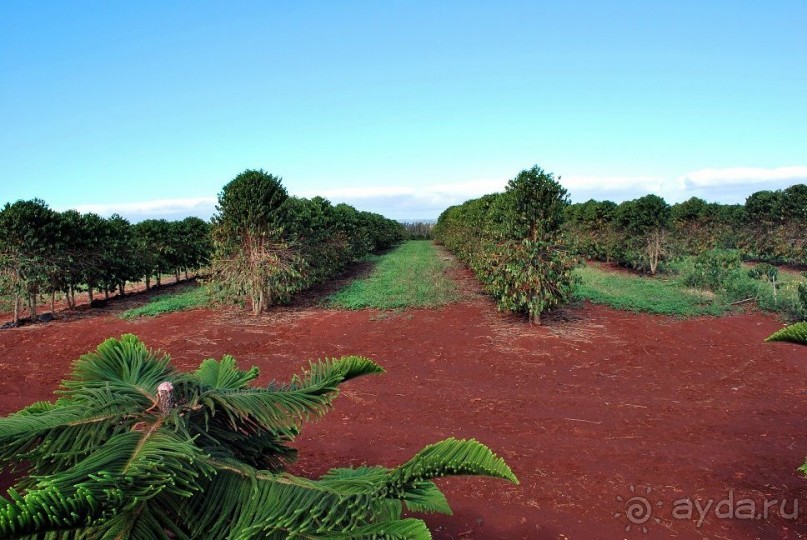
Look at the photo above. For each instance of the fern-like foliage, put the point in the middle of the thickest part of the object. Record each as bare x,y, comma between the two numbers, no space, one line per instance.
110,459
795,333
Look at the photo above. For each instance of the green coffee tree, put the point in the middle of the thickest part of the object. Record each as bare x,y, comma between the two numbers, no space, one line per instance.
512,242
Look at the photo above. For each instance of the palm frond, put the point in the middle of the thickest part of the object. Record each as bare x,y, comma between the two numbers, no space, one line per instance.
224,374
36,408
126,361
116,480
106,462
57,438
46,510
256,448
452,457
342,369
284,408
795,333
358,480
241,502
426,497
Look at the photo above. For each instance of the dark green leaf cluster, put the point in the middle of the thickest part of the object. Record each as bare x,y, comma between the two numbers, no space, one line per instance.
268,246
510,240
135,449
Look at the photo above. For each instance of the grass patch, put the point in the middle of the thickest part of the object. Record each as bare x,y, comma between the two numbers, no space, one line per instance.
645,294
166,303
411,275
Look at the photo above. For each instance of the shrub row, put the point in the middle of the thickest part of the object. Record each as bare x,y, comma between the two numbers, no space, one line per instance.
269,245
43,251
510,241
642,233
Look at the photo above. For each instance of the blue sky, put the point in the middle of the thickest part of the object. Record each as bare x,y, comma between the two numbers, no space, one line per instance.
149,108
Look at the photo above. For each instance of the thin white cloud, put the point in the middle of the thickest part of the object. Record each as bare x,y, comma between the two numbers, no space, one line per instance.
615,188
202,207
459,191
410,202
734,184
729,185
743,176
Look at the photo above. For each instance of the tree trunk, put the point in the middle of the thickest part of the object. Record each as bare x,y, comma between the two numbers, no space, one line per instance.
122,287
32,305
73,296
165,397
106,292
53,302
148,282
257,304
654,251
157,277
186,274
16,308
176,273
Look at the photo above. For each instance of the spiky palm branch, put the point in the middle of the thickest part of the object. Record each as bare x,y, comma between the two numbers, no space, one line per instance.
795,333
109,459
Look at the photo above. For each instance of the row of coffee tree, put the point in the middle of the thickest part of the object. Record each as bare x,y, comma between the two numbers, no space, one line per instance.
269,246
641,233
45,252
512,242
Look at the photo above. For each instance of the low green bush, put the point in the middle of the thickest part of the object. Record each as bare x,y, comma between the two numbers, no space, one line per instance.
713,269
764,272
529,277
801,304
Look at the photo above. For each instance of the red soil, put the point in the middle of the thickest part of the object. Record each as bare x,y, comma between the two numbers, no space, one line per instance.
583,408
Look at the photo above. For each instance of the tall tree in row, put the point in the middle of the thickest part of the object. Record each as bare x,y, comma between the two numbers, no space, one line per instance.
268,246
512,242
251,255
28,231
644,223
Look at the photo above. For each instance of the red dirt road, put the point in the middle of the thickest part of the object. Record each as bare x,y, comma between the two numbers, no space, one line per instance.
582,409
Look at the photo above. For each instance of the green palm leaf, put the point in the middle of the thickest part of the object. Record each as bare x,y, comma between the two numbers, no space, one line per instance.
126,361
109,459
224,374
795,333
452,457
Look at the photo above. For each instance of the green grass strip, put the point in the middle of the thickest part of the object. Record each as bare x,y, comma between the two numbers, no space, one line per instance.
645,294
168,303
412,275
